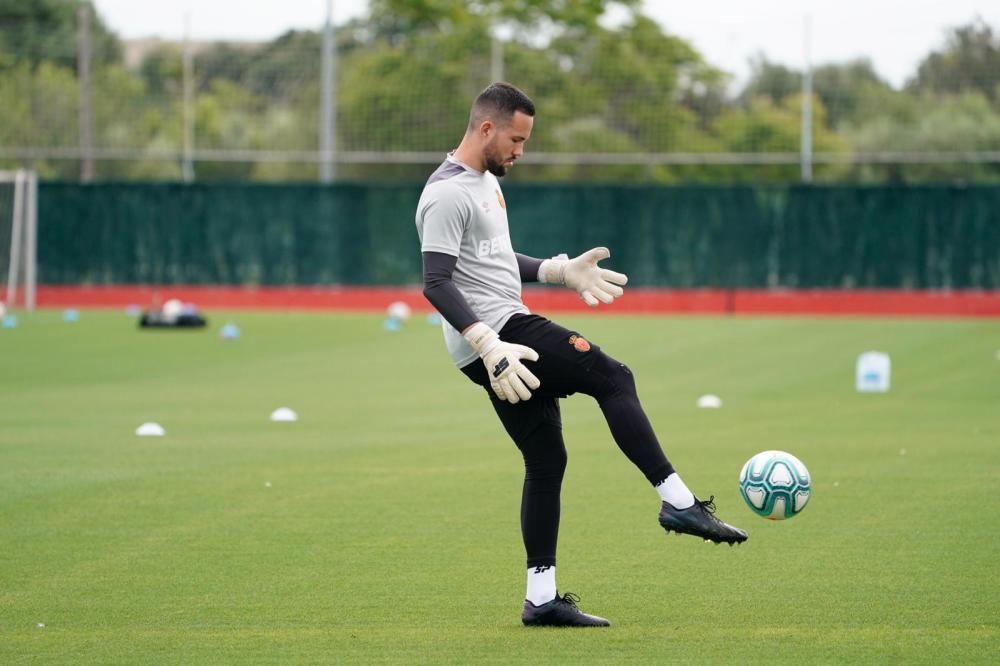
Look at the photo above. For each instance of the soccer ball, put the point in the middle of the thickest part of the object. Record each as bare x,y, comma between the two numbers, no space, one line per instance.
775,485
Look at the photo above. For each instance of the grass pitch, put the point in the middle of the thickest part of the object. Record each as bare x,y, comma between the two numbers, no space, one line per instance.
383,526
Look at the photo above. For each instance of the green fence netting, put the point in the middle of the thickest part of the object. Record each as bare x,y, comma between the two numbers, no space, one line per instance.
350,234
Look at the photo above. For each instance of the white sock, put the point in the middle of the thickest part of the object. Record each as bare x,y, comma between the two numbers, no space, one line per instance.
541,585
674,491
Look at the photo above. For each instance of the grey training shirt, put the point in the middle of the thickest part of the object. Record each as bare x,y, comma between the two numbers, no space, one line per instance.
462,213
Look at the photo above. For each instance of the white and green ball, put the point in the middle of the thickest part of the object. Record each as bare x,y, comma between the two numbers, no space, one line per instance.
775,485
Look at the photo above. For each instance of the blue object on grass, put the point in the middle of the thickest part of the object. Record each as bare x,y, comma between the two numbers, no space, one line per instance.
230,332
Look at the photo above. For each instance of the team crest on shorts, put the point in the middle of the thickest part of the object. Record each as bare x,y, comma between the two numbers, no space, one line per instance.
579,343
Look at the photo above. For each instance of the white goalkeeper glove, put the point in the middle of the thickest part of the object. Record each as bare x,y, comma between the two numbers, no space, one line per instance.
509,379
592,282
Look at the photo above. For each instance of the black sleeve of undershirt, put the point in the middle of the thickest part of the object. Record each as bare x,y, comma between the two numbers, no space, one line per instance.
442,292
528,266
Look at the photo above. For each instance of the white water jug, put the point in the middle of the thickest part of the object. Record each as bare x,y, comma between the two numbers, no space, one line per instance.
873,372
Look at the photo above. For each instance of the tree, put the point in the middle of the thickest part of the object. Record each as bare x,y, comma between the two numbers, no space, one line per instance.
625,89
394,19
954,123
39,109
46,31
969,61
766,127
853,92
770,80
412,98
161,70
635,80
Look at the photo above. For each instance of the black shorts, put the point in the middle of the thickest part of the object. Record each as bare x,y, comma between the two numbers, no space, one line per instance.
565,358
567,363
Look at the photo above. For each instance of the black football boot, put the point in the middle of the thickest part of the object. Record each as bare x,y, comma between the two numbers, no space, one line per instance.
699,520
560,612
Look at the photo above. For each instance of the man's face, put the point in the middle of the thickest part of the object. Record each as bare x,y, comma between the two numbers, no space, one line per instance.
506,144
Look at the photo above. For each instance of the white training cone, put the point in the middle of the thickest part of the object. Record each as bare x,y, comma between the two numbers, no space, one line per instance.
150,430
709,401
284,414
399,311
873,372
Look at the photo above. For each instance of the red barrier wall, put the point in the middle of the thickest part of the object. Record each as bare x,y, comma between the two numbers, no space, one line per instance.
544,299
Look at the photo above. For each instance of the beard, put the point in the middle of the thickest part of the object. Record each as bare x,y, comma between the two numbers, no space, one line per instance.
494,163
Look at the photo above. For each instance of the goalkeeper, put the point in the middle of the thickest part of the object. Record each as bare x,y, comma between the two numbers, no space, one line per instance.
525,362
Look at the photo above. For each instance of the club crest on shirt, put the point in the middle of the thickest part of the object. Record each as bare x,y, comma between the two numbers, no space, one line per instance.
579,343
503,204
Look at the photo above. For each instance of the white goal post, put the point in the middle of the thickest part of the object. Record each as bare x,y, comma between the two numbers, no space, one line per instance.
19,234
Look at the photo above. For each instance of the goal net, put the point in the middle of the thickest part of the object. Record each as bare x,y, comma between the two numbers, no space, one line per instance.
18,237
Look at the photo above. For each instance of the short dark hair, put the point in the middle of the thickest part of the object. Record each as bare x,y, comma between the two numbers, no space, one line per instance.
499,102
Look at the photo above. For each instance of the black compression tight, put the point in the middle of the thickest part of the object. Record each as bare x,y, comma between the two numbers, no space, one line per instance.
535,425
613,386
536,428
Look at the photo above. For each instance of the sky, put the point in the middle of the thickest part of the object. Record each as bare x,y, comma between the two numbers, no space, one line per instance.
894,34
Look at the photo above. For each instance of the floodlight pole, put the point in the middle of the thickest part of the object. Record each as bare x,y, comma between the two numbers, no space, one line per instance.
86,117
30,237
187,162
328,111
17,228
805,157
